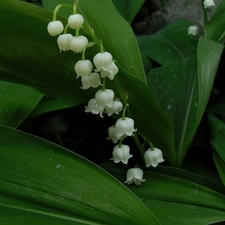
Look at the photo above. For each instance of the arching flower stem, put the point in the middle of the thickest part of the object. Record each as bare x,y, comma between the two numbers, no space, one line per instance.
57,8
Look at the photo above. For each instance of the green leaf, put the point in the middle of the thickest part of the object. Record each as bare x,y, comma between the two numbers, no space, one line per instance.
214,29
16,103
170,44
50,104
178,197
218,141
53,73
183,93
39,178
128,8
117,35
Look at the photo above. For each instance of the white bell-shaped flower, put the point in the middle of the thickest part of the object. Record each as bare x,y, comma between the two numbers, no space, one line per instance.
112,135
121,154
93,80
134,175
193,30
77,44
153,157
75,21
110,72
125,126
104,98
92,107
208,4
63,41
116,108
102,60
55,28
83,68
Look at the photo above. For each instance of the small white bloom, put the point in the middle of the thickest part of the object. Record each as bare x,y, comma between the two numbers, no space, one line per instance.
75,21
63,41
104,98
112,135
125,126
208,4
110,71
153,157
134,175
92,107
116,108
102,60
55,28
121,154
77,44
93,80
83,68
192,30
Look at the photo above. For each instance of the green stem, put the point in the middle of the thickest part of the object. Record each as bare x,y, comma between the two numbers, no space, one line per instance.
151,145
121,140
75,8
205,14
65,29
101,46
83,54
58,7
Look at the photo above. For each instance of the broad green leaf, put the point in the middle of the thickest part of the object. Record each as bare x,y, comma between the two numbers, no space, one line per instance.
109,26
214,29
170,44
183,92
16,103
53,73
178,197
128,8
218,141
50,104
39,178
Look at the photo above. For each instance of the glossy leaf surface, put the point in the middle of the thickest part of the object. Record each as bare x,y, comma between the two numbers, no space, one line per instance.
42,180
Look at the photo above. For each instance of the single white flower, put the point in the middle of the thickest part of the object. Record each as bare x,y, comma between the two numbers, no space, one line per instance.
77,44
208,4
125,126
92,80
55,28
116,108
75,21
121,154
134,175
83,68
63,41
104,98
193,30
110,71
92,107
112,135
102,60
153,157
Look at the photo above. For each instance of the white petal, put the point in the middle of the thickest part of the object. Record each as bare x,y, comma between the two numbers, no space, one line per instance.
75,21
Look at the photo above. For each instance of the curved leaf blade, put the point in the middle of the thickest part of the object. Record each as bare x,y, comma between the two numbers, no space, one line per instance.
43,178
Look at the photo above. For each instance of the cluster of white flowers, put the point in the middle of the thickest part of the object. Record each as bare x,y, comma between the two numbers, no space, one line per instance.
104,101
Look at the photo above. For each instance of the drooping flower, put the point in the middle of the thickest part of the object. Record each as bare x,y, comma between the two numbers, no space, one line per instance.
63,41
75,21
83,68
77,44
193,30
134,175
102,60
112,135
110,72
55,28
104,98
92,107
121,154
208,4
116,108
93,80
125,126
153,157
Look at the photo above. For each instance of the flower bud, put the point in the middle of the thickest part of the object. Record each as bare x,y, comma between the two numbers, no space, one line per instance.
153,157
125,126
134,175
104,98
208,3
102,60
121,153
93,80
77,44
83,68
75,21
112,135
116,108
192,30
63,41
55,28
